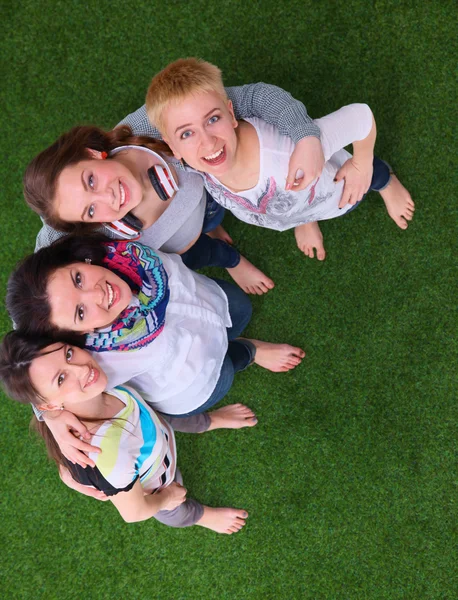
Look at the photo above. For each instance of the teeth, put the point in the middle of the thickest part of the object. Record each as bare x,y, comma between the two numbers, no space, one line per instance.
110,295
91,377
123,194
213,156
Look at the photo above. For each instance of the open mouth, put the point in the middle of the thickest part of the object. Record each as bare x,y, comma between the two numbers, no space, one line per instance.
216,158
123,195
113,295
93,376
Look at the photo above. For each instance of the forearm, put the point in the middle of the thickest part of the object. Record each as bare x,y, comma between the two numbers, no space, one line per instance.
134,506
363,150
275,106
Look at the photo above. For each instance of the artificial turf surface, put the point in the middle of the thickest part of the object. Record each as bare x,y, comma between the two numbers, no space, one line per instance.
350,477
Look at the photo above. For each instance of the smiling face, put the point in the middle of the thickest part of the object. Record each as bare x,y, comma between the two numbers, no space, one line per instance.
68,376
96,191
85,297
201,129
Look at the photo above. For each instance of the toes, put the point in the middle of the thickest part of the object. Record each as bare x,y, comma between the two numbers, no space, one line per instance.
264,289
298,352
321,254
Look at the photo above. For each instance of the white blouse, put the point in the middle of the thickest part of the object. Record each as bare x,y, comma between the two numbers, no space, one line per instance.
177,372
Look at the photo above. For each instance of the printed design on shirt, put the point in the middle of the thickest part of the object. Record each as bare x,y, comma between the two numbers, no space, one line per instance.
312,192
227,198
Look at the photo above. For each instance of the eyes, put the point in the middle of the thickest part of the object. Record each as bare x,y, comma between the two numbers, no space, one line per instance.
78,283
211,121
68,357
91,185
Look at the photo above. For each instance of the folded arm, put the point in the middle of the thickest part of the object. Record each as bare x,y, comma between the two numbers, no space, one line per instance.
134,506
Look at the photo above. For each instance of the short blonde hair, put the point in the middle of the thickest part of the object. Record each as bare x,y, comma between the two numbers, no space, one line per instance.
180,79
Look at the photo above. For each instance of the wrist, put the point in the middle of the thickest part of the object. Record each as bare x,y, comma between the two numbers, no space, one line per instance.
363,158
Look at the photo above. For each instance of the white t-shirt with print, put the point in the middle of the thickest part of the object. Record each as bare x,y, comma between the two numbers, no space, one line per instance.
268,203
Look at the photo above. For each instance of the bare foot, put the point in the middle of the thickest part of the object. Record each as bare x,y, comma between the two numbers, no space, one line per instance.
308,238
398,202
219,233
223,520
250,278
234,416
277,357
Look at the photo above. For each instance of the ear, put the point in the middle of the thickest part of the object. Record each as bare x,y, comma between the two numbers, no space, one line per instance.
94,153
231,110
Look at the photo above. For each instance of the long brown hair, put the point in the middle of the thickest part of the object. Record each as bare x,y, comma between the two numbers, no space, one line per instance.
17,352
42,173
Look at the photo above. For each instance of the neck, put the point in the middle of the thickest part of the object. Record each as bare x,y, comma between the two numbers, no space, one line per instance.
103,406
244,171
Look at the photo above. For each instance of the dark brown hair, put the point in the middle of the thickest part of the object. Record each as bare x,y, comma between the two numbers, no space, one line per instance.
17,352
42,173
27,299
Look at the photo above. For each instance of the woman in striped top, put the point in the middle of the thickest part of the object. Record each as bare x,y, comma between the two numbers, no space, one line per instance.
135,452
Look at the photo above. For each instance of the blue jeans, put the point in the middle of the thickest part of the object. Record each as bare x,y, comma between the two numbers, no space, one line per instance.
214,214
380,179
240,353
208,252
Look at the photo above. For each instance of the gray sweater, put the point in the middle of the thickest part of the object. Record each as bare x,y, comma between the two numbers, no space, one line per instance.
268,102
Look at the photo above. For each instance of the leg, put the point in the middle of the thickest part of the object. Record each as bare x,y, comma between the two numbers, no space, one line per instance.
240,308
238,357
276,357
310,238
398,201
185,515
214,215
233,416
209,252
191,512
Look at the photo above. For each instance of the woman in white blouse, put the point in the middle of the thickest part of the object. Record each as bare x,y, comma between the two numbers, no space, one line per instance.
171,332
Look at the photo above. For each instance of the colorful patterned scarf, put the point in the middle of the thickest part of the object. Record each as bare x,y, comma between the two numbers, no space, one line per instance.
136,326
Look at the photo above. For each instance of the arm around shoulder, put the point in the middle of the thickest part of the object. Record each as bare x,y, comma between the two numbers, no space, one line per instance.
275,106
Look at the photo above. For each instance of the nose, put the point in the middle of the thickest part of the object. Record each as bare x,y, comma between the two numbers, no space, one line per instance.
107,196
96,296
80,371
207,140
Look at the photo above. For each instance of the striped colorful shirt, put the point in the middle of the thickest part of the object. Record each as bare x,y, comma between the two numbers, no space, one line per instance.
136,444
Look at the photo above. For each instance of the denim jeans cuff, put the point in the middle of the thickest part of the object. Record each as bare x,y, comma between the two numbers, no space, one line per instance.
251,349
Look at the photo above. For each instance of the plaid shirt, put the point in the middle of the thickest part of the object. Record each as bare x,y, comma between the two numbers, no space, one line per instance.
267,102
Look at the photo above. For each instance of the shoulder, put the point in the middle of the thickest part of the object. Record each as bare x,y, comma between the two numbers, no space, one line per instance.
139,123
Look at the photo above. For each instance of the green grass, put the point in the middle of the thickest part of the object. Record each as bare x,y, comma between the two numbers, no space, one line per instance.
350,477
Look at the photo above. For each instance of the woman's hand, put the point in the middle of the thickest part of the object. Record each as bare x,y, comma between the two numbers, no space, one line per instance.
67,430
172,496
308,159
358,176
86,490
